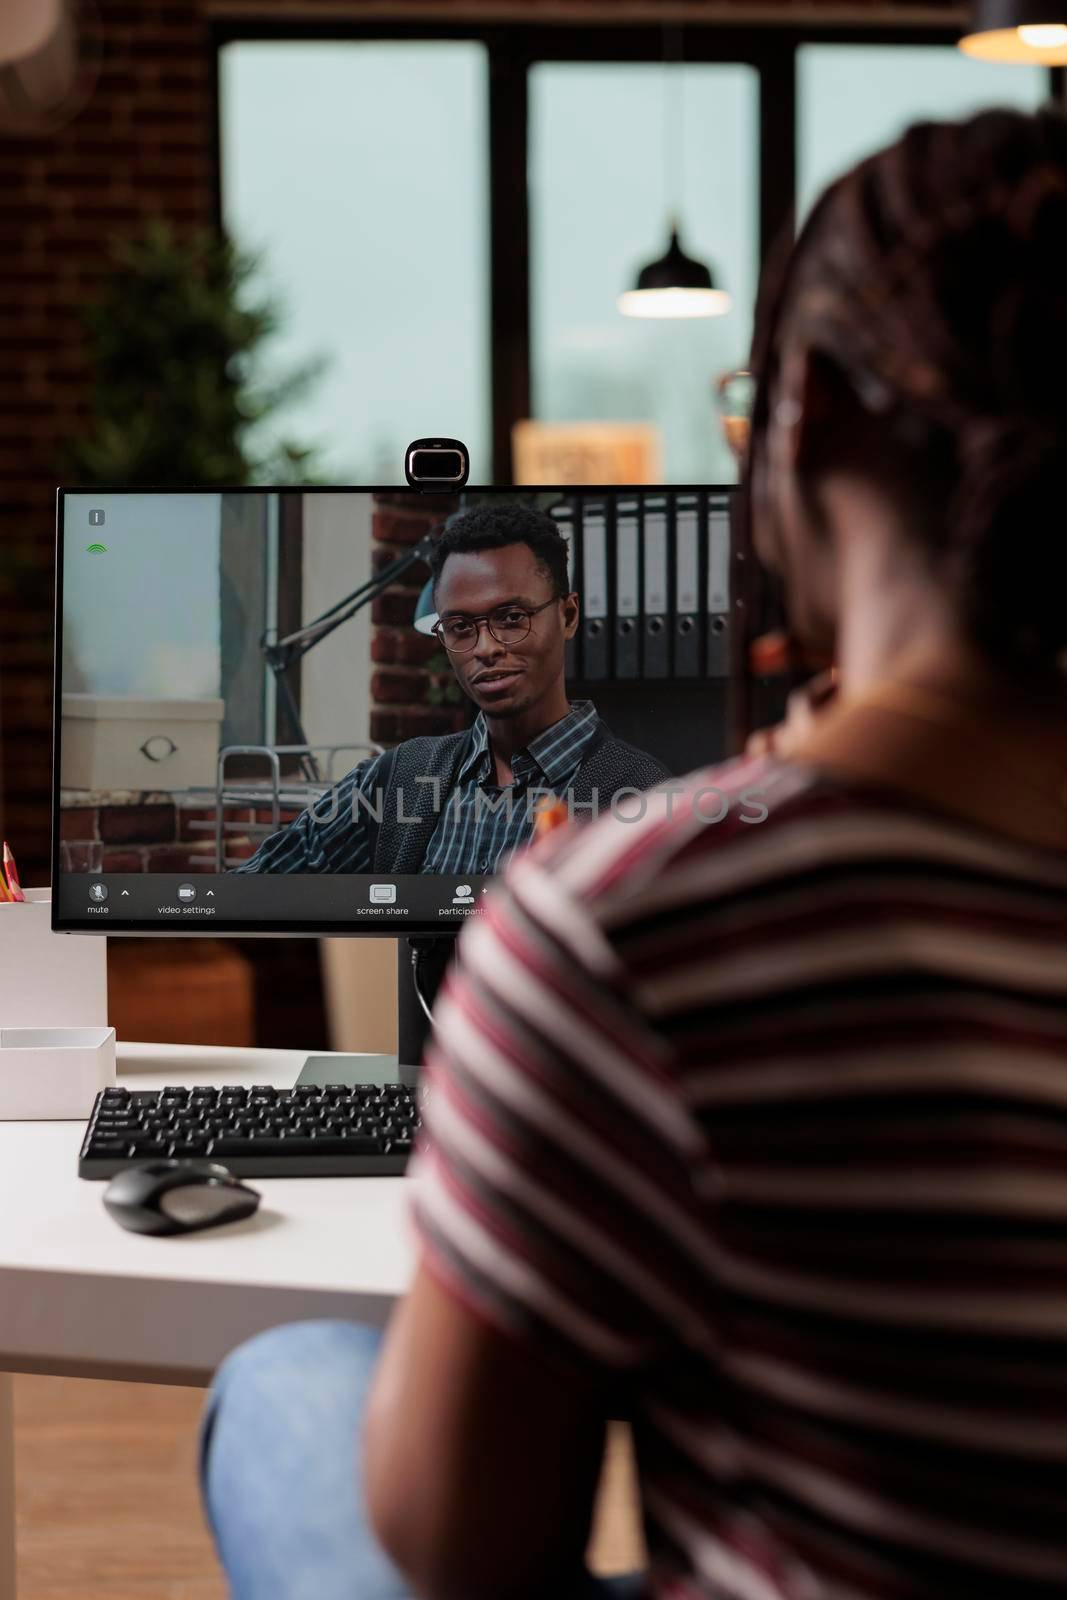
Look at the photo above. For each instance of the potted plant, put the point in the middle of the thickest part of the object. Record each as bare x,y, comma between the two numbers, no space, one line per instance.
172,341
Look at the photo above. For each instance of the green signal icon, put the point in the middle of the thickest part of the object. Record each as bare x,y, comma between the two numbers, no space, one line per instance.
96,549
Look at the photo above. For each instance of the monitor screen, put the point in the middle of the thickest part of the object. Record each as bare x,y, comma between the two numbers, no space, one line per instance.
342,710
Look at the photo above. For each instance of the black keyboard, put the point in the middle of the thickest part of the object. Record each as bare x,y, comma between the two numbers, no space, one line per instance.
340,1131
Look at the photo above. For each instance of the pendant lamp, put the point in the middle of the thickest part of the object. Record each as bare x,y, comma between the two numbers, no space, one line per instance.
674,285
1030,32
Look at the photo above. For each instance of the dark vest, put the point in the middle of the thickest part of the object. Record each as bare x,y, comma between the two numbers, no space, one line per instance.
398,843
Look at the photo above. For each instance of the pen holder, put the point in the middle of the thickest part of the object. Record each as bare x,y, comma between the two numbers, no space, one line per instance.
49,980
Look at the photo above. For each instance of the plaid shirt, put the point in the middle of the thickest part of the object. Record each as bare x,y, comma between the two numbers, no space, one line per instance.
472,835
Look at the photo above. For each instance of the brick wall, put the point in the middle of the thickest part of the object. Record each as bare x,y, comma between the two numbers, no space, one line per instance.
407,665
144,145
158,835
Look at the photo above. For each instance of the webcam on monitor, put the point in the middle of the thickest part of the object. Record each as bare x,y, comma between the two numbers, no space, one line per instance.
437,464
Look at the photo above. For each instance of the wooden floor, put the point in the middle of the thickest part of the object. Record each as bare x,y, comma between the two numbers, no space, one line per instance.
108,1507
107,1501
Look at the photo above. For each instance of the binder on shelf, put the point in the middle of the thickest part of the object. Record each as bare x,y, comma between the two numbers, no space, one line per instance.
627,589
718,597
656,639
563,516
687,644
596,637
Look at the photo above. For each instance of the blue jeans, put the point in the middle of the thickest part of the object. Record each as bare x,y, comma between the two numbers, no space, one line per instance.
279,1469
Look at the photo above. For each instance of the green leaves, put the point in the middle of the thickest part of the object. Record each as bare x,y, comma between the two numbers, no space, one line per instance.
172,343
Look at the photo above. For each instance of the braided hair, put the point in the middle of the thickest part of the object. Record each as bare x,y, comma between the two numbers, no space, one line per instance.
934,277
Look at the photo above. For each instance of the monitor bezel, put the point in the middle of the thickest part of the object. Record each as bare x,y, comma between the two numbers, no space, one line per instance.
279,928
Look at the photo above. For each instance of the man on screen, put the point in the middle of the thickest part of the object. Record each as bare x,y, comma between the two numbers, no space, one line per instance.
461,802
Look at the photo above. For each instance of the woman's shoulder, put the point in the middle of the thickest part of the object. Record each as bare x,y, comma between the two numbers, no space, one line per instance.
750,823
715,810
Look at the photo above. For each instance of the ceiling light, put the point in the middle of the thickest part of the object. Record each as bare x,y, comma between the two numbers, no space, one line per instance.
674,285
1029,32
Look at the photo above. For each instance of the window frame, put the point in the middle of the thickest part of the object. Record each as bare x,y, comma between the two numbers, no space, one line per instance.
512,50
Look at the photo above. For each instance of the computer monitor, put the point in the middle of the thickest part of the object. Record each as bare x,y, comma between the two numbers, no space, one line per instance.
337,711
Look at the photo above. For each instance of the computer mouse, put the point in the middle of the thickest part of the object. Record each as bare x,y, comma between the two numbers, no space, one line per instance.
177,1197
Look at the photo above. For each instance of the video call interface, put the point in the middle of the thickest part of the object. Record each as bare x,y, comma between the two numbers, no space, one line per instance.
316,710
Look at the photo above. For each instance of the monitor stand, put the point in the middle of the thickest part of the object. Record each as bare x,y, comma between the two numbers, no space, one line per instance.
434,951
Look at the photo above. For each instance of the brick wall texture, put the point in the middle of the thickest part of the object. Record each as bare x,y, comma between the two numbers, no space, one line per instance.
145,145
410,676
158,836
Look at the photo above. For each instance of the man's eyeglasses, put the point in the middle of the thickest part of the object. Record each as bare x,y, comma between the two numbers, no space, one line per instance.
507,625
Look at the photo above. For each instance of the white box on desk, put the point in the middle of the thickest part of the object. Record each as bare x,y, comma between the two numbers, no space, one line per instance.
53,1072
49,980
129,742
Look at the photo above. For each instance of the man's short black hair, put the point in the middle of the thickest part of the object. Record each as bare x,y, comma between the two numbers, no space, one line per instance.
489,527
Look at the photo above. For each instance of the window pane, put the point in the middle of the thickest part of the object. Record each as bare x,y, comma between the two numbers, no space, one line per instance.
600,196
359,173
852,99
172,652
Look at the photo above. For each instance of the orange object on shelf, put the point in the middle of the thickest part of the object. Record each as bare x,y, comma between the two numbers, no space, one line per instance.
772,655
578,453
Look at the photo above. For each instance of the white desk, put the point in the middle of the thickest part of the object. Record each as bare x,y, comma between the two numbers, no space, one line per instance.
80,1297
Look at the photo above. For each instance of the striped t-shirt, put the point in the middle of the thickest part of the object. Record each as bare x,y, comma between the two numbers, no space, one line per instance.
764,1124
